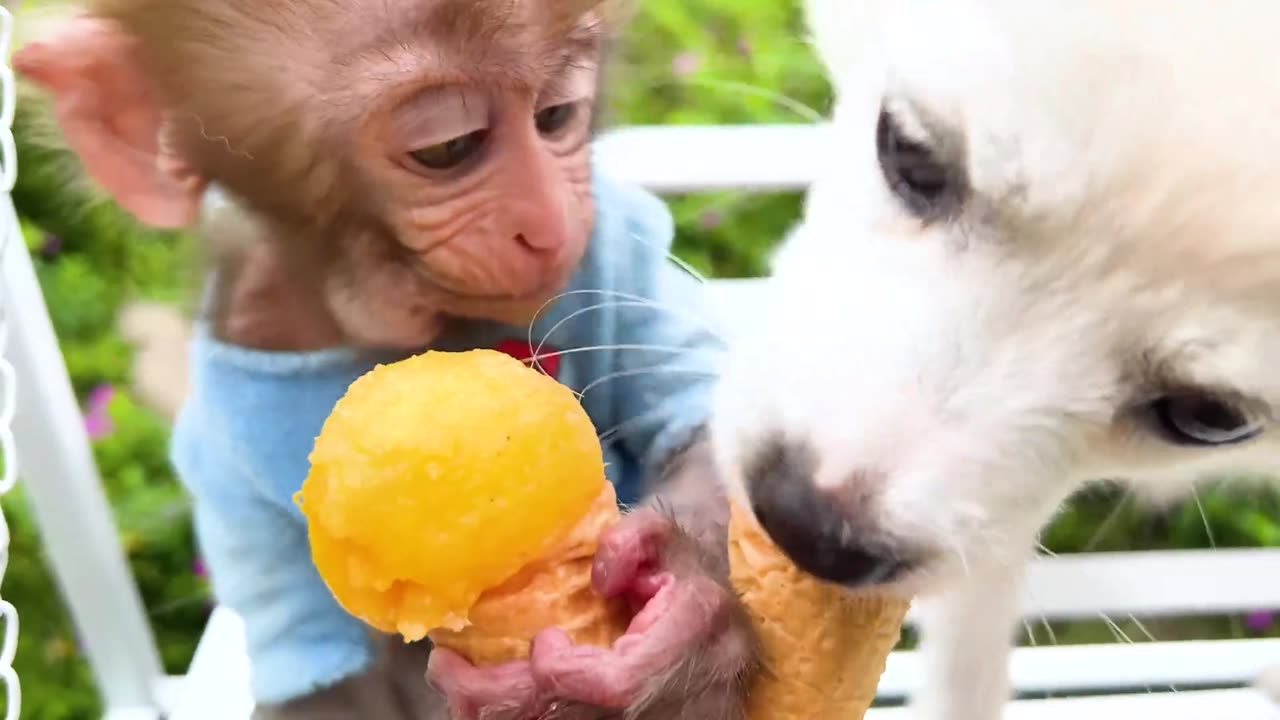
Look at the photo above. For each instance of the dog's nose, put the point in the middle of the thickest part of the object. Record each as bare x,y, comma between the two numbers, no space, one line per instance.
810,527
811,533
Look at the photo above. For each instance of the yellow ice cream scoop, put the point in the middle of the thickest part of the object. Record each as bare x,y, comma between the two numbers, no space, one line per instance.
460,495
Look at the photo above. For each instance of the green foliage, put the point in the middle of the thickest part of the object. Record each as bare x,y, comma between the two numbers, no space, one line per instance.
720,62
685,62
90,258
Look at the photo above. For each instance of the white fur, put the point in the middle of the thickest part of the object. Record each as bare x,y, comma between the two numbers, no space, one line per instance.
1125,228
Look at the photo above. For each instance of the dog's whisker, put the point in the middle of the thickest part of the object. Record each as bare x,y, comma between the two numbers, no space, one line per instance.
958,549
797,107
964,562
1121,636
583,311
1150,638
1142,628
649,302
610,435
635,372
622,299
671,256
1107,523
801,110
1204,518
623,347
1048,629
1116,630
590,308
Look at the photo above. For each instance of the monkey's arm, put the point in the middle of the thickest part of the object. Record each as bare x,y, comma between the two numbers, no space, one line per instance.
240,446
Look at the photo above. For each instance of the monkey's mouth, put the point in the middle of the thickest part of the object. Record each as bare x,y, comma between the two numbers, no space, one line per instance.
536,292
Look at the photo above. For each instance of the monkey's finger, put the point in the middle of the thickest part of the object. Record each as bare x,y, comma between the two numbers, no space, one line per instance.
501,691
674,624
627,549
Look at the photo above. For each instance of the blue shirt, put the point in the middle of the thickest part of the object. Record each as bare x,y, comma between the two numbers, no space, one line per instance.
635,339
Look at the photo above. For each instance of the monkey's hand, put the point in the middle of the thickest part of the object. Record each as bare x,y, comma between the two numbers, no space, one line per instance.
689,653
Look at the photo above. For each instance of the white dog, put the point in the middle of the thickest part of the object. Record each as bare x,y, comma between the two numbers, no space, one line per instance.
1045,249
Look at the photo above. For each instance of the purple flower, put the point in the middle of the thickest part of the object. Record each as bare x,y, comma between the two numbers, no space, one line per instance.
51,246
97,421
710,220
685,64
198,568
1260,621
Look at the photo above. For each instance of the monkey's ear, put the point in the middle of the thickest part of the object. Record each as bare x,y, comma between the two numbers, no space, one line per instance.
109,117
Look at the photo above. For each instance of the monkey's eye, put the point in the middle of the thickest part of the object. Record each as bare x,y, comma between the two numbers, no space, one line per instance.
451,153
927,186
1197,419
552,120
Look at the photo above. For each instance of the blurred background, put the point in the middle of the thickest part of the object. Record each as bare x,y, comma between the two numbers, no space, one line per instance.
683,61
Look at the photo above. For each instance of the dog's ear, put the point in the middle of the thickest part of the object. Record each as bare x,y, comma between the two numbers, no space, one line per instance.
840,31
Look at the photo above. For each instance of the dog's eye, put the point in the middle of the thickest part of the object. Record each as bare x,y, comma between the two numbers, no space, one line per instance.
1202,420
926,185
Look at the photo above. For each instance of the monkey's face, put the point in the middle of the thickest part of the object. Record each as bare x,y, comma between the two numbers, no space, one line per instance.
480,187
485,203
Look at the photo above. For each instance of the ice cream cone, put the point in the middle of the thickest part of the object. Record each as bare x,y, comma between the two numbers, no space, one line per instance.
824,648
554,591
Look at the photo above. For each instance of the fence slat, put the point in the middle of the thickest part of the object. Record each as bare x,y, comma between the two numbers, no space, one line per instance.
699,158
62,483
1153,666
217,686
9,233
1208,705
1156,583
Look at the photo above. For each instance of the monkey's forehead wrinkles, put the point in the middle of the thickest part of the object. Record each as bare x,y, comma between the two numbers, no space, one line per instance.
499,32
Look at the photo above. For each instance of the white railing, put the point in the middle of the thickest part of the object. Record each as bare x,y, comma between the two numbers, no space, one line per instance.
60,477
80,537
9,234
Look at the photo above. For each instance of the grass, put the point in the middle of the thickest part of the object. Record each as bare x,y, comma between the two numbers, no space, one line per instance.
685,61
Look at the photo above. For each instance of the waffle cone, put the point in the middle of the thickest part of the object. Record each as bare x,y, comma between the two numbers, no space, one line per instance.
554,591
824,649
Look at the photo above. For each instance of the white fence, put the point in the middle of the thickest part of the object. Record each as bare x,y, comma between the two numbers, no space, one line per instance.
8,407
80,537
8,379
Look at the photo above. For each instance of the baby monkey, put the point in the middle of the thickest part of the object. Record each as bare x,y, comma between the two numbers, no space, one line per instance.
404,175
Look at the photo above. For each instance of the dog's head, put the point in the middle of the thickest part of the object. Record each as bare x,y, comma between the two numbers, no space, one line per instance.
1045,248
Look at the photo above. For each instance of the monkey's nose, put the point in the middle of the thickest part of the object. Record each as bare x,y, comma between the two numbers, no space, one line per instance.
541,227
811,528
539,242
